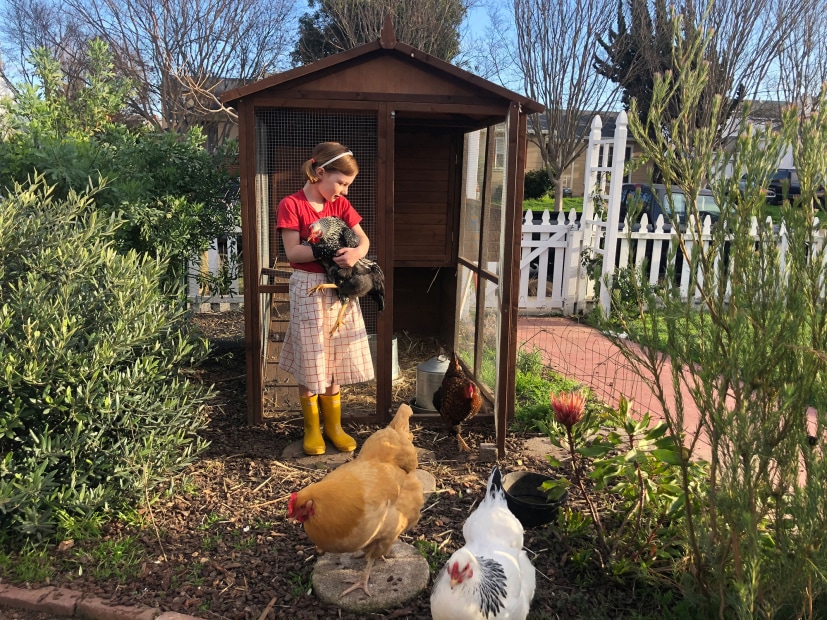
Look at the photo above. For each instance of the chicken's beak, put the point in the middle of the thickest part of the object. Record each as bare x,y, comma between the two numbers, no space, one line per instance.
454,582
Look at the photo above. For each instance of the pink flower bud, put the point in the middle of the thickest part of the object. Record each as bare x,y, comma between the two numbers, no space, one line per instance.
568,407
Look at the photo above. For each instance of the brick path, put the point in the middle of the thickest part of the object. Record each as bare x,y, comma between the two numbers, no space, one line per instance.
582,353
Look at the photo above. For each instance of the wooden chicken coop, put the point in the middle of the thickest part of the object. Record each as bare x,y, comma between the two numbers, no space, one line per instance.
441,154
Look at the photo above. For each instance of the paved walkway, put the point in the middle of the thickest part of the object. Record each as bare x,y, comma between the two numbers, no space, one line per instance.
582,353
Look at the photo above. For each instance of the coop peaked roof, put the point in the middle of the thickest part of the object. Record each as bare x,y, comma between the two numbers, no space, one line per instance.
404,70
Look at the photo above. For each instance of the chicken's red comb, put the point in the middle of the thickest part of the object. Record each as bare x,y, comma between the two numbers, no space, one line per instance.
291,503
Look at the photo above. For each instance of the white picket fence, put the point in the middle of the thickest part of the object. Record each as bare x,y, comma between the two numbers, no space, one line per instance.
553,277
552,252
200,299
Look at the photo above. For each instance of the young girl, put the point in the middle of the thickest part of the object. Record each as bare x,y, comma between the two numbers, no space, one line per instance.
320,362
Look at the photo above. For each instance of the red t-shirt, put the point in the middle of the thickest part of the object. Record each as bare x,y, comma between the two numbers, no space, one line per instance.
295,213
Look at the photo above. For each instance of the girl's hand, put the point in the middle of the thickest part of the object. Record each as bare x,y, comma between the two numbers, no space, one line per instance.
347,257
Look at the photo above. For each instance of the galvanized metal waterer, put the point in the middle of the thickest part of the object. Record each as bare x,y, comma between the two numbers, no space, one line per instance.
429,375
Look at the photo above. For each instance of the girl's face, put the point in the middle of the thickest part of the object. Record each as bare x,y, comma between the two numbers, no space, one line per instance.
333,184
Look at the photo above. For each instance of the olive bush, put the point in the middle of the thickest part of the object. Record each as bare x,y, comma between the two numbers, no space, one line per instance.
95,406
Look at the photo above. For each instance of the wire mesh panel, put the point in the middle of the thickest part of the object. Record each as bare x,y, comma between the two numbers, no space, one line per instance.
471,206
285,140
492,233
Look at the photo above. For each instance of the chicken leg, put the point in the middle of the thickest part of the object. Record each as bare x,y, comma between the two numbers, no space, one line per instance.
320,287
339,319
362,582
461,445
339,322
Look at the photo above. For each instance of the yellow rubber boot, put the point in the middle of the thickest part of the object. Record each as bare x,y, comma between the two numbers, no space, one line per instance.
313,440
332,416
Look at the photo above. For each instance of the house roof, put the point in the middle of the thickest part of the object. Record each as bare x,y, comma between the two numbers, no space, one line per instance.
386,45
584,123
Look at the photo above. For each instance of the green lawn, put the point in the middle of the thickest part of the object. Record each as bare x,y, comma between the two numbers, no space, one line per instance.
538,205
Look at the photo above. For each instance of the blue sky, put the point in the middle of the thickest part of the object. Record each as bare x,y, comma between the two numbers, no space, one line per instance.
478,20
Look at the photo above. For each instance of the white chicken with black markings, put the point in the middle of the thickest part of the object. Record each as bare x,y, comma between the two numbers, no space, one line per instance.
491,577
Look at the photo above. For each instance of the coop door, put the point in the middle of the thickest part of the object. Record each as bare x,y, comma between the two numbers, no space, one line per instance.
285,138
480,248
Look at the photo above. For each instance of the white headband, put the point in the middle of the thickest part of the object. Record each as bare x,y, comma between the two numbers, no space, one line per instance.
330,161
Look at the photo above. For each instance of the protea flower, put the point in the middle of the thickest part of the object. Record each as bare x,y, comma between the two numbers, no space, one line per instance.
568,407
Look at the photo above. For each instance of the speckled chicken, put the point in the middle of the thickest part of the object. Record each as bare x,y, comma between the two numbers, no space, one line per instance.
458,399
327,236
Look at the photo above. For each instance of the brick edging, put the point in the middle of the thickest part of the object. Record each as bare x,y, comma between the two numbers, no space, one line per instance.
74,604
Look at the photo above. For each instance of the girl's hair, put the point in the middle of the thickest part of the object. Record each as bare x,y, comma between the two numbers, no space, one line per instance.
326,151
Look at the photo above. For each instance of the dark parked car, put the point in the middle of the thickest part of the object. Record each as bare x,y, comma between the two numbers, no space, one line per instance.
654,200
785,183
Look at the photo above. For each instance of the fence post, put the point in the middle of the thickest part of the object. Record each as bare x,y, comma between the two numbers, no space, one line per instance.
525,250
612,219
575,281
592,153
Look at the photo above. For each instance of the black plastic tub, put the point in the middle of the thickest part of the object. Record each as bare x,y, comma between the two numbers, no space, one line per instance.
527,501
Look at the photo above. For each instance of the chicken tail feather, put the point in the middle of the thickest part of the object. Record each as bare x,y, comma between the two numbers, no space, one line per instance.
401,422
494,491
378,291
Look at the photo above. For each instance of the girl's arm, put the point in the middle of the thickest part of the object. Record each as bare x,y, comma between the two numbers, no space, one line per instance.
295,251
348,257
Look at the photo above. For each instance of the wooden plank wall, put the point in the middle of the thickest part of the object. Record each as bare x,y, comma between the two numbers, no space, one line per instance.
424,184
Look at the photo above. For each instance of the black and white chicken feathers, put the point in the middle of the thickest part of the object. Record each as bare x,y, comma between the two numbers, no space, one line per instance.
330,234
491,577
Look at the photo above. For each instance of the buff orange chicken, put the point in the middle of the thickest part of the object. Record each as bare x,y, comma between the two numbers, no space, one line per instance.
367,503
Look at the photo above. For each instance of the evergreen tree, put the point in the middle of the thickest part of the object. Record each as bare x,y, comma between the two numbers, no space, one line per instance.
642,47
319,36
333,26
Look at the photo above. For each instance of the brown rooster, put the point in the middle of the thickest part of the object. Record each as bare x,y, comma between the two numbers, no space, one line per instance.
365,504
458,399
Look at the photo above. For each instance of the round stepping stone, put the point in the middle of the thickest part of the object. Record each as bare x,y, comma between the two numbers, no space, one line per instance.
331,458
393,582
428,482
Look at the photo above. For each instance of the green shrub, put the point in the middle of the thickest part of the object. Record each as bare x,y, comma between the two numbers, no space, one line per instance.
754,365
94,406
537,184
533,383
175,197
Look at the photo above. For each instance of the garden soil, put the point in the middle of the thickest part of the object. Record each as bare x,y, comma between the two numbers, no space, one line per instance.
217,544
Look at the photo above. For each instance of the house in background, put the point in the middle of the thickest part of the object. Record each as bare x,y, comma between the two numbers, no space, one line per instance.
761,113
574,176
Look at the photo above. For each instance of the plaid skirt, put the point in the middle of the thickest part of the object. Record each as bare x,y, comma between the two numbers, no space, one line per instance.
309,353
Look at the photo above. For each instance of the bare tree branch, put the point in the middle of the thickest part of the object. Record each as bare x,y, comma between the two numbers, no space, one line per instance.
803,55
179,53
26,25
556,42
